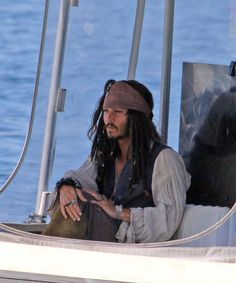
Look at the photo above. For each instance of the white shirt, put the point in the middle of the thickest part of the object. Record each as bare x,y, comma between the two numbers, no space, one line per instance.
170,182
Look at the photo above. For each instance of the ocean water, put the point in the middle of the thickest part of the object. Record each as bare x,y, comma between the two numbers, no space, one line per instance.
98,47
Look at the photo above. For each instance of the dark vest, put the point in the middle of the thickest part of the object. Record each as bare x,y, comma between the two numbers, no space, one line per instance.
136,195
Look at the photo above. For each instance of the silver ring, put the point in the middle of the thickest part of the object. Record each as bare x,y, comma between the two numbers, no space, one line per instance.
72,202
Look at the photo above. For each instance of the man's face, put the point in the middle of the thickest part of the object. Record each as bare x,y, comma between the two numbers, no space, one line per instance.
115,121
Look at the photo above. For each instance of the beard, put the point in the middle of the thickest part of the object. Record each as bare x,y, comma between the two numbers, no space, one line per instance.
126,133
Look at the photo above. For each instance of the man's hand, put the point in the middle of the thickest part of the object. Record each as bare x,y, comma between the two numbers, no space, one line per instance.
103,202
69,203
108,206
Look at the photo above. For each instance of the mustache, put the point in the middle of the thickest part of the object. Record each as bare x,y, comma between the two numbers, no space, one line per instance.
110,125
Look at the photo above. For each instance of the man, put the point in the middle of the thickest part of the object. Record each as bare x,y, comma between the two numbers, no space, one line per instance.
131,180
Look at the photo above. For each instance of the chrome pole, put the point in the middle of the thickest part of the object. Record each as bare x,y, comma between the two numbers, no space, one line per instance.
34,103
49,136
166,68
136,39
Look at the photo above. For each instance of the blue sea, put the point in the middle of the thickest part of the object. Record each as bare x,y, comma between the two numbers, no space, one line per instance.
98,47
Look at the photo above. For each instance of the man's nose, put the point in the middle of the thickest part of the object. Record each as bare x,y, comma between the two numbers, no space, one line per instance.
110,116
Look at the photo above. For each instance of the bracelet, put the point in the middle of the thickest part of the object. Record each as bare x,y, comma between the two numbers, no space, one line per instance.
119,209
67,181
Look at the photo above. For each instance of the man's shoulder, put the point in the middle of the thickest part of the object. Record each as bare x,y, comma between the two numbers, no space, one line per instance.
157,147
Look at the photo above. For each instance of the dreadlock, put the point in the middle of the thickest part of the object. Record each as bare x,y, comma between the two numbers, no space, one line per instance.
141,128
101,146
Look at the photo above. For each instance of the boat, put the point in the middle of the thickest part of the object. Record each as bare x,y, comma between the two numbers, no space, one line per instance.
204,246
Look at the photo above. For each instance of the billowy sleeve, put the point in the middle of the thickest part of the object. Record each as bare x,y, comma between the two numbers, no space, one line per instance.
86,175
170,181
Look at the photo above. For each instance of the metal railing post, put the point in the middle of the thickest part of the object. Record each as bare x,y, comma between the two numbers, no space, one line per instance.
166,68
34,103
49,137
136,39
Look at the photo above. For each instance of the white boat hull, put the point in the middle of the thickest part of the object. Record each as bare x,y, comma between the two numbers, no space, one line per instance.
61,264
27,257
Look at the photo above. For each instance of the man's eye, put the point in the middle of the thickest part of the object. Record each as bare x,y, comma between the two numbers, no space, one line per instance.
119,111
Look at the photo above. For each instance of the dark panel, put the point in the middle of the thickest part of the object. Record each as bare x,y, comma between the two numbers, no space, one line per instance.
208,133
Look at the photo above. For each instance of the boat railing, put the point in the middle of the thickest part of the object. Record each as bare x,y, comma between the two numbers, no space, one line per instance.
136,39
55,93
166,68
191,231
34,102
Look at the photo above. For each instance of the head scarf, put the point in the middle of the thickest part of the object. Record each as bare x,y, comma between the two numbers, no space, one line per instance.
123,96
